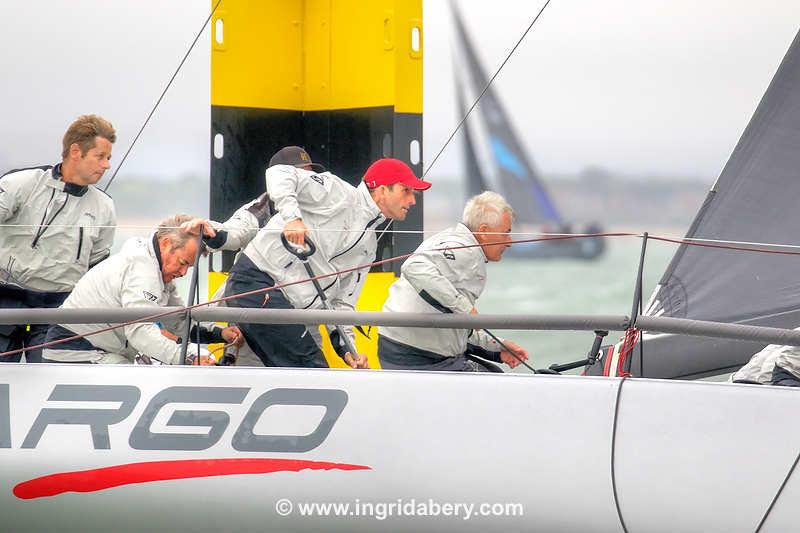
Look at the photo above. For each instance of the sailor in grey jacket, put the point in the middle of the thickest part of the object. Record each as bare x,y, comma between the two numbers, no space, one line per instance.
233,235
55,230
340,219
56,225
236,232
447,274
140,275
775,364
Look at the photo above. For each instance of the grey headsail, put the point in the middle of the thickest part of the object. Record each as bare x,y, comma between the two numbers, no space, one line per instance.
755,199
515,172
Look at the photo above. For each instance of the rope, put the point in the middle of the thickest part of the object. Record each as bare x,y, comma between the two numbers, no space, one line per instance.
549,237
185,309
626,347
316,230
723,246
741,246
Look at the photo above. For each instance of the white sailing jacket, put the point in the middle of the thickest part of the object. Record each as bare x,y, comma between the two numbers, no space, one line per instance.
55,230
436,281
761,366
130,278
324,202
242,227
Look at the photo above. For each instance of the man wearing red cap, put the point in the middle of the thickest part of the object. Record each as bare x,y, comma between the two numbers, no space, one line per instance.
340,220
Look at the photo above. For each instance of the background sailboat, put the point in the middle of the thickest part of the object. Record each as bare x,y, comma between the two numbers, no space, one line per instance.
517,178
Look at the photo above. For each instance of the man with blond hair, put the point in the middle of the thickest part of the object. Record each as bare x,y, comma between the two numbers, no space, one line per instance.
447,274
56,226
140,275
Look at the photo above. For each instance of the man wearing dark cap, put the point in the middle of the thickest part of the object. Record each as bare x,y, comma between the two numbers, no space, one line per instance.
296,157
237,232
340,219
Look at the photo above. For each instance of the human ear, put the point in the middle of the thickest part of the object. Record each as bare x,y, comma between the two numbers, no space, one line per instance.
75,151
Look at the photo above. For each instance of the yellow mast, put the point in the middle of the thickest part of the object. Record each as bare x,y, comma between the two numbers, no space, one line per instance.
342,78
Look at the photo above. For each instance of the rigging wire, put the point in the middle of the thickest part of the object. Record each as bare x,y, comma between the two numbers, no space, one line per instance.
723,245
374,264
474,104
489,84
164,92
743,246
264,290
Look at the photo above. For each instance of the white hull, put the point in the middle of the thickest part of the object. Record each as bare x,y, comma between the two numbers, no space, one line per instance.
689,456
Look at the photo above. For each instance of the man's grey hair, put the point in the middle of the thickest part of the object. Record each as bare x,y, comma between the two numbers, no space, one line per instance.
486,208
170,228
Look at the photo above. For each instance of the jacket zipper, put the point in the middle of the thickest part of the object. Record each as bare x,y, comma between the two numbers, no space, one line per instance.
358,279
42,226
370,223
323,290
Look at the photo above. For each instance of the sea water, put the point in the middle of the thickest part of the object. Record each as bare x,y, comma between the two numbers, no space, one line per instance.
604,286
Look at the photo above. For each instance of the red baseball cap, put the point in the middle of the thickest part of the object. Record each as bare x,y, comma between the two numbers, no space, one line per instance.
388,171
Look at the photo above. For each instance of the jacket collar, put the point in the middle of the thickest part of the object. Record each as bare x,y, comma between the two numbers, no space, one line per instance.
156,249
365,200
462,229
70,188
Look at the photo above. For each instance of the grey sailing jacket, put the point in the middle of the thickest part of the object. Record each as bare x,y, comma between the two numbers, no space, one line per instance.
440,281
341,220
130,278
237,232
53,231
760,367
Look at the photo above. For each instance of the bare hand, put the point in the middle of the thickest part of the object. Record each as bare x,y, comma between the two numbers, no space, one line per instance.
295,231
194,226
207,360
359,361
509,359
233,335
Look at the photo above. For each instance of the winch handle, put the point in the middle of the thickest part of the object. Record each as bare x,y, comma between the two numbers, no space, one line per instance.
300,253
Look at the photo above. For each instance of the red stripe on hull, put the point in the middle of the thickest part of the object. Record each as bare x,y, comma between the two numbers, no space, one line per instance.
115,476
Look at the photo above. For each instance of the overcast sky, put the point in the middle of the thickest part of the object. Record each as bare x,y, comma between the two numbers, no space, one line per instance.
636,86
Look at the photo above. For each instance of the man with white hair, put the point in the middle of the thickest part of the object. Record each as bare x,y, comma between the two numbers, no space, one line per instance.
447,274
